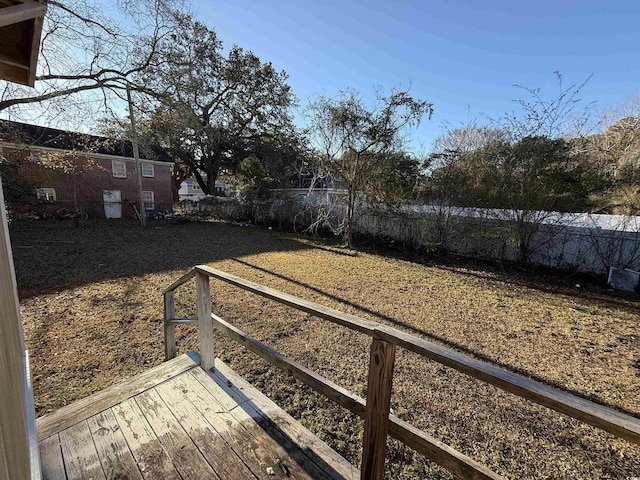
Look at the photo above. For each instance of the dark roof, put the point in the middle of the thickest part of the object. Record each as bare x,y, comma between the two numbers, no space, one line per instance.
16,132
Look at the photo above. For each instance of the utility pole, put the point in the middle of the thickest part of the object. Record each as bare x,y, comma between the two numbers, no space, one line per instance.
136,156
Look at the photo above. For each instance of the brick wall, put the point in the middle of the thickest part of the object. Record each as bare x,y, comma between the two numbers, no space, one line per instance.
91,185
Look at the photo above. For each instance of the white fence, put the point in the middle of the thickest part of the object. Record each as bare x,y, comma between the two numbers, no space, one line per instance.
576,241
583,242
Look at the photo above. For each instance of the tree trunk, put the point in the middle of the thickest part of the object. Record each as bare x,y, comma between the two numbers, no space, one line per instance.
174,191
178,175
203,185
346,233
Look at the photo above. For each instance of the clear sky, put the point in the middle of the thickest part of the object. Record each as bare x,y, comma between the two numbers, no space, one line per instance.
464,56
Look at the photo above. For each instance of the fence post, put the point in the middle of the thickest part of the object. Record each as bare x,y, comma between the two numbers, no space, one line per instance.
205,323
169,329
376,420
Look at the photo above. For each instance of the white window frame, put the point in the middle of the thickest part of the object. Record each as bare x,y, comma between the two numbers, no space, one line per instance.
148,197
149,173
119,168
47,194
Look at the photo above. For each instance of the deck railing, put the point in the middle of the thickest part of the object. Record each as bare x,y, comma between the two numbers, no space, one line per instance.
375,410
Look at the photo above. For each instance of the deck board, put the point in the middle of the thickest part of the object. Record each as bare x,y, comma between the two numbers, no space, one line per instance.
264,409
152,459
254,455
213,447
51,455
79,453
185,455
113,451
94,404
285,458
251,441
183,424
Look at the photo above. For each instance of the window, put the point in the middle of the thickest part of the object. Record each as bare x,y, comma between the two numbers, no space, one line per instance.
195,186
35,156
147,198
119,168
46,194
147,169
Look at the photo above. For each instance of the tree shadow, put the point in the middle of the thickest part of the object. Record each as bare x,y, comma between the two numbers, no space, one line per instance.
542,279
54,256
386,319
555,285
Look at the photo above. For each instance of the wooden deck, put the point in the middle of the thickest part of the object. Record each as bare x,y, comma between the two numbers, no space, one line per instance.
176,421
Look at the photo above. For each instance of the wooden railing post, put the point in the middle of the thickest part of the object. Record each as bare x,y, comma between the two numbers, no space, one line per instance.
376,420
169,329
205,323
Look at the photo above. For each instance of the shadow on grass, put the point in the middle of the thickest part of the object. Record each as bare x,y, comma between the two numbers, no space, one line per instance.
436,338
53,256
540,278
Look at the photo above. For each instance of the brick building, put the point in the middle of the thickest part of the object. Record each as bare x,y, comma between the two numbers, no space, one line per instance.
97,173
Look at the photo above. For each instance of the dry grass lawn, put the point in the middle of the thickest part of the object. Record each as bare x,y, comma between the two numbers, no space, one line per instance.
92,312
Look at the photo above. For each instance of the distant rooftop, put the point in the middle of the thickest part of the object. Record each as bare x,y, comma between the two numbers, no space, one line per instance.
35,135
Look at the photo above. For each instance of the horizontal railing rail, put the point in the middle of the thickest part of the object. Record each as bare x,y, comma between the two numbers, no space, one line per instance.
181,281
375,410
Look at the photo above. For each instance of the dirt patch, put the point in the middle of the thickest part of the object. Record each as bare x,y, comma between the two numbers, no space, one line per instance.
92,310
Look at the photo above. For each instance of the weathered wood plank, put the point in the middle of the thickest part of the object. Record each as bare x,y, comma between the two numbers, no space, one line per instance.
258,451
113,451
205,325
605,418
35,49
93,404
183,279
277,422
455,462
51,461
182,321
185,455
79,453
152,460
169,328
376,418
322,385
20,13
437,451
619,424
351,321
211,444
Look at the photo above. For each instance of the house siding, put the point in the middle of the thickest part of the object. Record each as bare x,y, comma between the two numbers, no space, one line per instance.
91,184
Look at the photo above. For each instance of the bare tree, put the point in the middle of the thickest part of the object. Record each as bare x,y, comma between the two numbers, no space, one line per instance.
352,139
522,169
87,57
562,115
619,132
615,151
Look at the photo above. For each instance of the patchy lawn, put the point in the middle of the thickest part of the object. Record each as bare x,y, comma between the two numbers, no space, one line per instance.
92,311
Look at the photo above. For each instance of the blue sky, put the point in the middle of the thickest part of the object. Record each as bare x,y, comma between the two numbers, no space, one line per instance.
463,56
